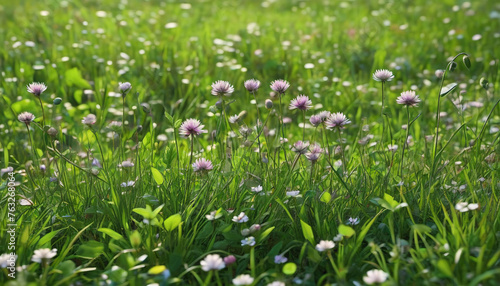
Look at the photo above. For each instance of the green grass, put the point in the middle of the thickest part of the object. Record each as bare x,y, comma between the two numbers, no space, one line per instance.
108,234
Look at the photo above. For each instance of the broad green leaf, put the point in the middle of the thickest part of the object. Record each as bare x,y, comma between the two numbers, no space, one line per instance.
169,117
44,242
73,77
289,268
326,197
90,249
135,239
157,176
346,230
113,234
390,199
172,222
147,213
158,269
265,233
307,231
444,267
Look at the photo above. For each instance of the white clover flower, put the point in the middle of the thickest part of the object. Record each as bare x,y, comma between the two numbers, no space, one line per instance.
43,254
213,215
243,279
241,218
375,276
212,262
324,245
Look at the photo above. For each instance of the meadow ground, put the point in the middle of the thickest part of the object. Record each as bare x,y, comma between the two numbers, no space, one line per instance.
135,152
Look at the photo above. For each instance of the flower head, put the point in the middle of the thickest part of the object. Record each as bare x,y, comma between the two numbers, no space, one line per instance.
252,85
241,218
280,86
300,147
212,262
213,215
257,189
36,88
353,221
301,102
202,165
375,276
314,152
89,119
336,120
43,254
383,75
234,118
127,184
408,98
243,279
464,207
127,164
26,117
191,127
324,245
222,87
125,87
250,241
230,259
280,259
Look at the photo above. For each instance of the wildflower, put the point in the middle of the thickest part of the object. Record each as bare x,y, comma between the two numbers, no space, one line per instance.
408,98
300,147
127,164
26,118
245,131
213,215
375,276
243,279
257,189
191,127
212,262
221,87
392,148
338,237
315,120
324,245
127,184
202,165
276,283
52,132
89,119
245,232
353,221
43,254
280,259
252,85
242,217
250,241
36,88
301,102
96,163
439,73
6,170
230,259
293,193
336,120
464,207
255,227
125,87
383,75
314,152
234,119
280,86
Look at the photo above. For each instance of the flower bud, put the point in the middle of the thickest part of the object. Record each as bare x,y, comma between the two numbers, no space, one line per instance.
466,61
145,107
57,101
255,227
268,103
484,83
242,115
52,132
245,232
439,73
228,260
453,66
218,105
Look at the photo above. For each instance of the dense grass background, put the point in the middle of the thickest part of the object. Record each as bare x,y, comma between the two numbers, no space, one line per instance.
171,52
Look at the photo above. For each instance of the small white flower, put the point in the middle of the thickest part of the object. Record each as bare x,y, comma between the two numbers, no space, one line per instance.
353,221
43,254
6,260
257,189
128,184
276,283
375,276
324,245
212,262
243,279
127,164
464,207
250,241
338,237
392,148
473,206
293,193
213,215
242,217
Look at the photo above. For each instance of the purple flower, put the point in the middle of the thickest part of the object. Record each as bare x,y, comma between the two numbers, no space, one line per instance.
336,120
314,152
89,119
280,86
202,165
383,75
250,241
300,147
408,98
315,120
125,87
221,87
191,127
36,88
228,260
280,259
26,118
252,85
301,102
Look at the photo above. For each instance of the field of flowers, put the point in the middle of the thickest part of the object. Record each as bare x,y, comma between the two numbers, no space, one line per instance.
270,142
